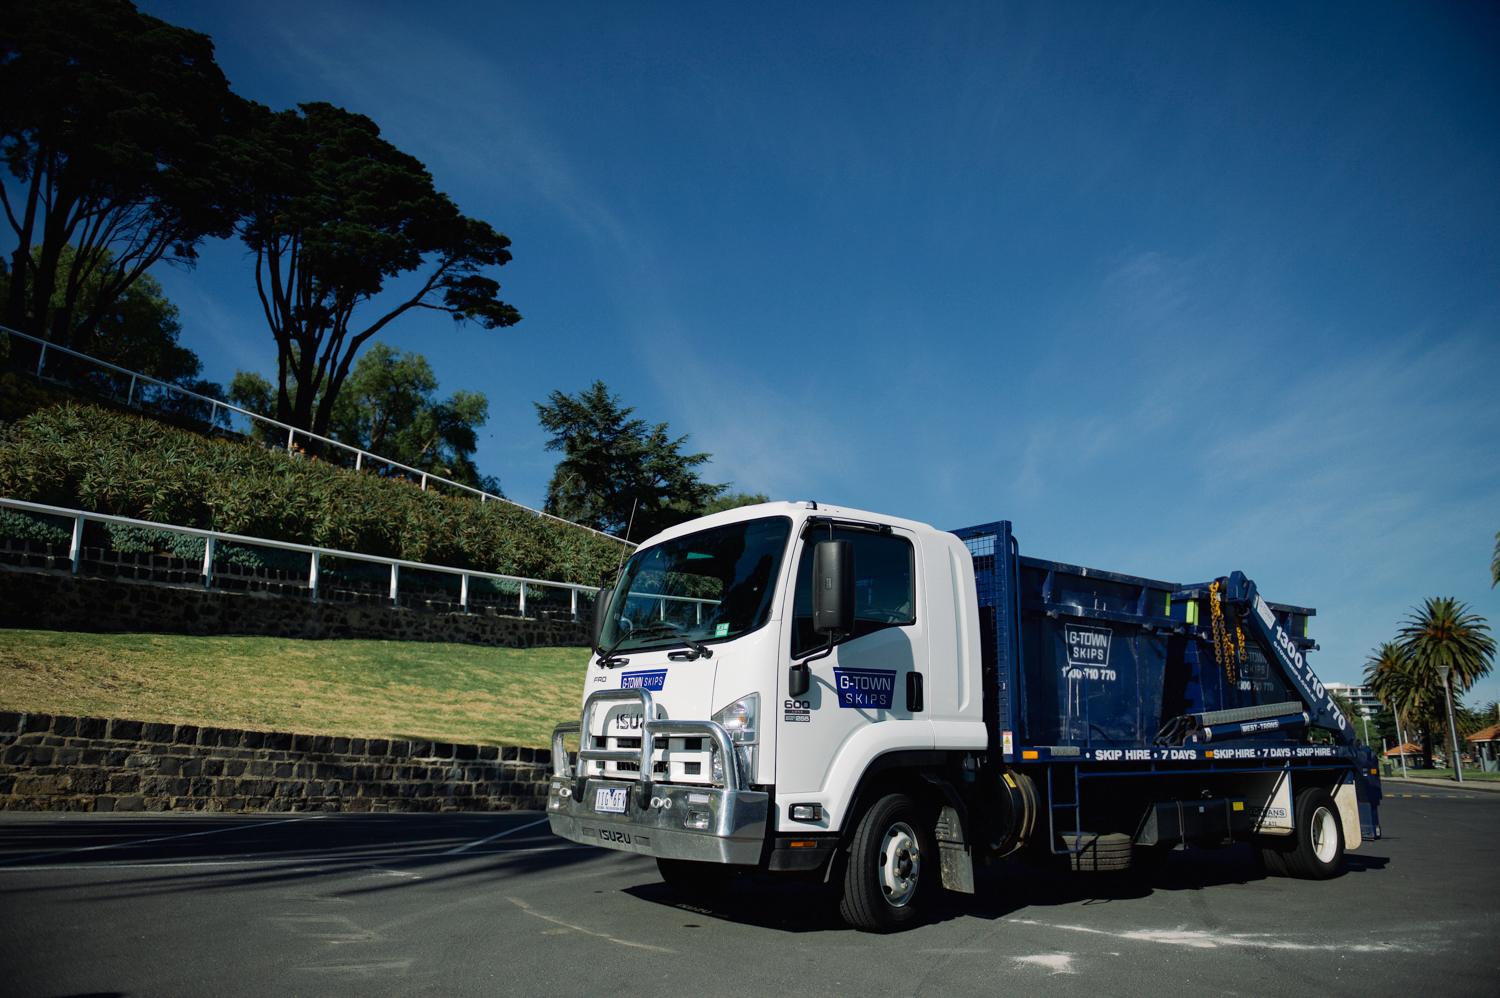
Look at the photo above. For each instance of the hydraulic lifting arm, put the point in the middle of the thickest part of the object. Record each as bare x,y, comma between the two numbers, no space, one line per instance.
1257,619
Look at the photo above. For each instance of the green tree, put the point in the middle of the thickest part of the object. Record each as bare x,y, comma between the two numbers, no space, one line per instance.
613,464
389,408
334,213
138,331
1444,632
1495,564
251,391
120,131
734,500
1349,710
382,398
1411,696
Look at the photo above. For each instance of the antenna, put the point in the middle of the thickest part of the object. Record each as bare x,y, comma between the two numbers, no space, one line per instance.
630,523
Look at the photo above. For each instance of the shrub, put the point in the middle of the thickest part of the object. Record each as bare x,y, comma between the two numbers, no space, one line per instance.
85,457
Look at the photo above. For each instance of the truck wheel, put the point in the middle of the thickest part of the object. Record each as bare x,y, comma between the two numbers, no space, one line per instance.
1319,848
1099,852
1270,854
892,866
693,878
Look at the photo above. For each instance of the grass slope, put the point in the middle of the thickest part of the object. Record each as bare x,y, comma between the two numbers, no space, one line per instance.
381,689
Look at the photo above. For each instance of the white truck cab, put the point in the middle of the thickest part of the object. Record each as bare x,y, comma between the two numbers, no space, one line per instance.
694,655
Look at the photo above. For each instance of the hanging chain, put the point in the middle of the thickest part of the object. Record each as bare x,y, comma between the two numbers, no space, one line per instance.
1229,651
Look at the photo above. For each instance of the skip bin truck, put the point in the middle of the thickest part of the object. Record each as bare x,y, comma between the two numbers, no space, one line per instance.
826,693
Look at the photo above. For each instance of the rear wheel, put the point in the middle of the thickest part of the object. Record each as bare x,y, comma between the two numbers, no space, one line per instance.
892,866
1319,849
698,879
1314,850
1270,854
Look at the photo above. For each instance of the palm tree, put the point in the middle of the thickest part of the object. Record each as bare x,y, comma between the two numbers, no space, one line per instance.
1445,633
1391,677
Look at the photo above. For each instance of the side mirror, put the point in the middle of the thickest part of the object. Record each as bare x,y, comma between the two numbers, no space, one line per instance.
798,680
601,610
833,587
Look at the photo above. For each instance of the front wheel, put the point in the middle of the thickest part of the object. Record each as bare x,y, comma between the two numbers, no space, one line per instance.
892,866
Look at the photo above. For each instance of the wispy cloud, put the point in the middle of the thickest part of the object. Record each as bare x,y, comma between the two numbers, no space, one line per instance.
434,94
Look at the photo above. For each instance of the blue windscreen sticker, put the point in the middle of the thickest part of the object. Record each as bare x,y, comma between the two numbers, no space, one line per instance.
869,688
643,680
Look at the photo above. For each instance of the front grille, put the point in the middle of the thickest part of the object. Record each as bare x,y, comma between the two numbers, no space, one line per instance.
672,769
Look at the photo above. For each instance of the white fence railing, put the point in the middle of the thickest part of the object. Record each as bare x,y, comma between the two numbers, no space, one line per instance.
361,457
314,554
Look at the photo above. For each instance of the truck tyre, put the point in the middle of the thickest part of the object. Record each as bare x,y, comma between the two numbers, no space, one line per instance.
1270,854
693,878
1099,853
892,866
1318,850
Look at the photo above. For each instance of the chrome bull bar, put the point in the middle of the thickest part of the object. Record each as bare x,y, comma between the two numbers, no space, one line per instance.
699,822
651,726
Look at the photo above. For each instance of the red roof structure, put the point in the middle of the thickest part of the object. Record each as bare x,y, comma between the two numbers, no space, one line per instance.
1490,734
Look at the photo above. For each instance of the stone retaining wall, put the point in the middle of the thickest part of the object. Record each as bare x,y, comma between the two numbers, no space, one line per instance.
58,763
67,603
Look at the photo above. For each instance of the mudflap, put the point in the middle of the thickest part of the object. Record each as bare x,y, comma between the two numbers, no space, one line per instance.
954,856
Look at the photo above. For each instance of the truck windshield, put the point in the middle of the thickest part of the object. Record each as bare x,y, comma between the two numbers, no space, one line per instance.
710,586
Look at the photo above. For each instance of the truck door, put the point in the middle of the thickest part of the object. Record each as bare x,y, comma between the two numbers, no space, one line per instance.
862,683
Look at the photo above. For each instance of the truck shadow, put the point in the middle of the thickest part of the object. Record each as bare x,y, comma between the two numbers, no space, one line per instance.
1000,891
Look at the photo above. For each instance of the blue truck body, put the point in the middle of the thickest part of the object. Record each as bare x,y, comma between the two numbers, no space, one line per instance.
1092,678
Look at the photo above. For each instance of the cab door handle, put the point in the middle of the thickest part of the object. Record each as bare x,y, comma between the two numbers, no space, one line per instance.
914,692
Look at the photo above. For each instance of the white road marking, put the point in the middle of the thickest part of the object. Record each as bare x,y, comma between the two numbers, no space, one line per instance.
303,860
361,969
330,928
1058,963
497,835
383,871
163,838
588,932
1201,939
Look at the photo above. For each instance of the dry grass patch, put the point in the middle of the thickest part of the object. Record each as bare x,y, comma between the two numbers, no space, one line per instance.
382,689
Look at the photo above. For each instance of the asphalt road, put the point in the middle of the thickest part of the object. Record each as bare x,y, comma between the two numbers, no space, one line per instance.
375,905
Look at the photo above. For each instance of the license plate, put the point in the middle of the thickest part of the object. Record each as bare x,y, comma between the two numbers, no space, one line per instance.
610,800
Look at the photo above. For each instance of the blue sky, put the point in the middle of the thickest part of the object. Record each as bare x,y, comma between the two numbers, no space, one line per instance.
1178,289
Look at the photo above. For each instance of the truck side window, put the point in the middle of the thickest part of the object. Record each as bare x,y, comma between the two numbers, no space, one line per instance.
884,591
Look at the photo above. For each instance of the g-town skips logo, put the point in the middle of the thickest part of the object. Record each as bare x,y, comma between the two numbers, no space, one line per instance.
869,688
1088,652
644,680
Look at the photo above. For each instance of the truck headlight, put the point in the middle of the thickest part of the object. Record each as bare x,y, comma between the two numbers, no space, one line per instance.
739,721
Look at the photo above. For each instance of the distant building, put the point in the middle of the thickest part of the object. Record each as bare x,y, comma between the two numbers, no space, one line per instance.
1360,696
